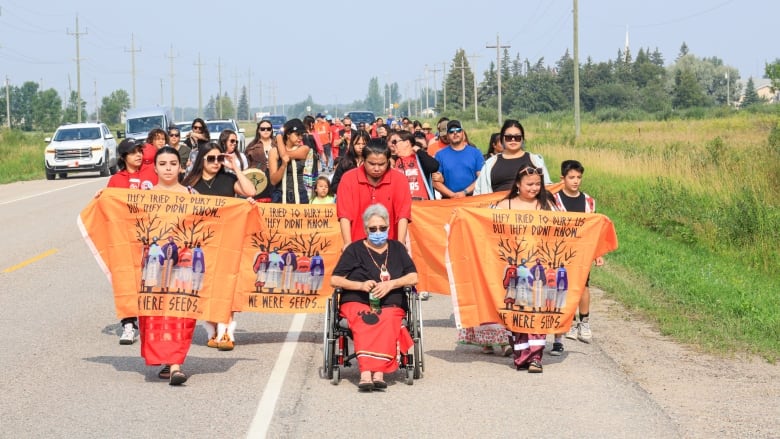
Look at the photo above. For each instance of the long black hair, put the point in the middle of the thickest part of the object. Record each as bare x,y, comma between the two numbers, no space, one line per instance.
544,198
196,173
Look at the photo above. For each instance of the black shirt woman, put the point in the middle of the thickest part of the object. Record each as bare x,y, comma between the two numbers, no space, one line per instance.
209,177
379,267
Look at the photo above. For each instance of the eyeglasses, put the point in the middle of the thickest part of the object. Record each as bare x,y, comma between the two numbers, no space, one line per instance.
232,141
265,129
530,170
215,158
395,141
174,135
513,137
374,229
197,127
454,130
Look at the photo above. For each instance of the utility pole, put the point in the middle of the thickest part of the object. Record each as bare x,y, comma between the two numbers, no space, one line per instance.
473,65
272,87
235,95
170,58
260,103
427,89
435,90
498,48
463,80
200,87
77,34
7,103
132,60
97,105
728,90
576,71
444,83
161,94
219,81
248,95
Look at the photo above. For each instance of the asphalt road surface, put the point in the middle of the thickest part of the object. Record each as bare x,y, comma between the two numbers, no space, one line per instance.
64,374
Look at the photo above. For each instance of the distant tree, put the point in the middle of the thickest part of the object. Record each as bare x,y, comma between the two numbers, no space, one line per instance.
455,81
395,95
751,95
683,50
225,107
210,112
47,110
243,105
374,98
772,71
113,105
488,87
687,92
73,107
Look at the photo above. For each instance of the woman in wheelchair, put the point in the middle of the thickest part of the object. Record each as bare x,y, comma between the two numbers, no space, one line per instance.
367,268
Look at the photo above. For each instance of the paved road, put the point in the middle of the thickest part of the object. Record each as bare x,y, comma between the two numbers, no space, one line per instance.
63,373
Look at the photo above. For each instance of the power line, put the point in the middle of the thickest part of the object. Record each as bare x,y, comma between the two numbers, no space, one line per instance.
78,34
498,48
132,51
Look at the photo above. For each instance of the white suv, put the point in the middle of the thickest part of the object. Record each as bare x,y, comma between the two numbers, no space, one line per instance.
82,147
216,126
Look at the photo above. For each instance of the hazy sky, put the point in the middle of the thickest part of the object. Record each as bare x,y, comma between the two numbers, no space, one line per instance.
329,50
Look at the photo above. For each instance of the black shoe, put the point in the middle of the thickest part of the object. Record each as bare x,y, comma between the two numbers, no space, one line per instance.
557,349
366,387
177,378
380,385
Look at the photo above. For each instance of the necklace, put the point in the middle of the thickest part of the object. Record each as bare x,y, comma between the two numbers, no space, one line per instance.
208,183
384,275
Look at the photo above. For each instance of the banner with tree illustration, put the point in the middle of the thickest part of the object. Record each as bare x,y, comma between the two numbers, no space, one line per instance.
286,266
169,254
523,269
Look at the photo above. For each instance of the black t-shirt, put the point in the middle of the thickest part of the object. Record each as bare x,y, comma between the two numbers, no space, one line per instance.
223,184
357,264
504,172
573,204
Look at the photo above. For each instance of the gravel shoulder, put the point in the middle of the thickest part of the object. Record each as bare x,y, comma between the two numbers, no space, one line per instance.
706,396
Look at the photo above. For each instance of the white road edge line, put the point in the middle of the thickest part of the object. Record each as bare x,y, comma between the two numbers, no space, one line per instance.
265,409
46,193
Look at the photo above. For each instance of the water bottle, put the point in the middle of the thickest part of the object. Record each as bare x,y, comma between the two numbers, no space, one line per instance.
373,302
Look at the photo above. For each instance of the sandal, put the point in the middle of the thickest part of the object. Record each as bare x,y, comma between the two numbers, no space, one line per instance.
487,349
506,350
535,367
177,378
164,373
366,386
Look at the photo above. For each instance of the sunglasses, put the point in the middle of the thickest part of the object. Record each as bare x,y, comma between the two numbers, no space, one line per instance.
174,135
215,158
265,129
374,229
232,141
513,137
530,170
197,127
395,141
454,130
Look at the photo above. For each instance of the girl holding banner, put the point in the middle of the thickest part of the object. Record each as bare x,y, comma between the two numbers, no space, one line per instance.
166,340
528,193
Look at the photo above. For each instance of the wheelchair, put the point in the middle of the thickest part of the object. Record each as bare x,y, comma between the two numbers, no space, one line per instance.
337,336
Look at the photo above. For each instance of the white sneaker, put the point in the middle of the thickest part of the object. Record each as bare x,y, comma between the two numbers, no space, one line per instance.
128,335
585,334
573,331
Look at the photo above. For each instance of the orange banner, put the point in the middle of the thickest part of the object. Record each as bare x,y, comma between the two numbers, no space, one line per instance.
286,267
169,254
428,238
524,269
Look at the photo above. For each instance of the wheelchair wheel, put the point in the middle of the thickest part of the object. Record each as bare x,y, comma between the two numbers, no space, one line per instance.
416,331
409,376
328,342
335,376
417,371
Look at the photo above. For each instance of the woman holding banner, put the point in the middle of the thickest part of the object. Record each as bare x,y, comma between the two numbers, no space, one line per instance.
166,340
209,177
528,193
375,268
287,165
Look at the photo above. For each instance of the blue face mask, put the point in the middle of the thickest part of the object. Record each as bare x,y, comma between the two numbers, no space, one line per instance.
378,237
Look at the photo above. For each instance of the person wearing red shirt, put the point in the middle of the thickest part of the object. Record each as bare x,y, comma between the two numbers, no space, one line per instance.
369,184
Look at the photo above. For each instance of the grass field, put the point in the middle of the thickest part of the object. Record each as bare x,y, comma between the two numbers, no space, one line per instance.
695,207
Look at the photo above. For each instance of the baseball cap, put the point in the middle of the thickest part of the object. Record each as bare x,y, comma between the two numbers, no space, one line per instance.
127,146
294,126
320,116
454,124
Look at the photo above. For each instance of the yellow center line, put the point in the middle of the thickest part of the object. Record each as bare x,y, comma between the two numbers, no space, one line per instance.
45,254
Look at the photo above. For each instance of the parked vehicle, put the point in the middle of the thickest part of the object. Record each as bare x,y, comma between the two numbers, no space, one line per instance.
216,126
83,147
358,117
139,121
277,122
